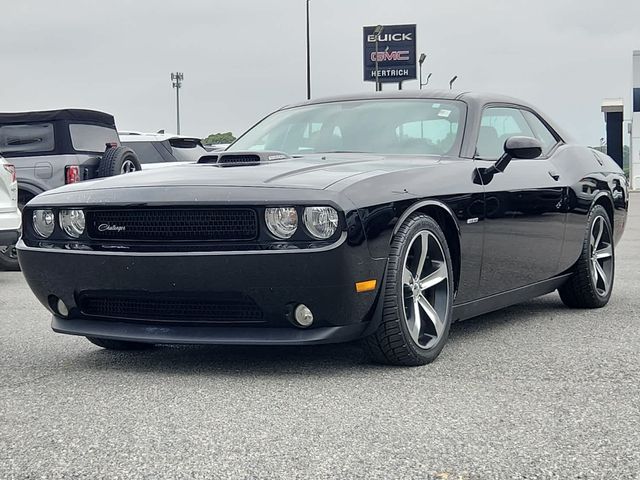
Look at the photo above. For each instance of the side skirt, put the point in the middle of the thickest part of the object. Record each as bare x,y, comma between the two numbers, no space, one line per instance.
474,308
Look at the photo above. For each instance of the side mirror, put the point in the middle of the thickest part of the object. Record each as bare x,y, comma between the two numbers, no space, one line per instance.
521,148
525,148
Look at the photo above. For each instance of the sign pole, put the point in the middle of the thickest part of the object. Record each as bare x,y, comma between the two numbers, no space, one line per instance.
377,69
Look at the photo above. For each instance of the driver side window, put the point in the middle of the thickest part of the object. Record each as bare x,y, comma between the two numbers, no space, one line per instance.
498,124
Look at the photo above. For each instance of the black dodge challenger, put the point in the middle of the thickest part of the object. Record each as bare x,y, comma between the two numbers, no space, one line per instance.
379,217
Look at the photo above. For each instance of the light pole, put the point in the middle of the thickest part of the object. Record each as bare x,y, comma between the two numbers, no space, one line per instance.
376,32
176,79
423,57
308,57
451,82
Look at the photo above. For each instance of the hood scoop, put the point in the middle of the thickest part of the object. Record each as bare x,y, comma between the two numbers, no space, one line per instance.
237,159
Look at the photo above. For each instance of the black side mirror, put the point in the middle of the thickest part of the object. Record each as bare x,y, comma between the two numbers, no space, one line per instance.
525,148
521,148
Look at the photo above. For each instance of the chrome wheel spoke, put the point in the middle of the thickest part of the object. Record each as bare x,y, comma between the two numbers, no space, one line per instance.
601,274
431,314
596,240
407,276
424,249
604,252
414,322
434,278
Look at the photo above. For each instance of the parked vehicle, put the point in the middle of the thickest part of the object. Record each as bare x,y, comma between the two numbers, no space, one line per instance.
378,217
216,147
160,149
58,147
10,218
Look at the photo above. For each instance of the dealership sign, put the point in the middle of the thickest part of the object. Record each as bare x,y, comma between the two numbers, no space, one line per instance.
396,54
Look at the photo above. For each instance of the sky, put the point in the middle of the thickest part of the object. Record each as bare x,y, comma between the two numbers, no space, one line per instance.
242,59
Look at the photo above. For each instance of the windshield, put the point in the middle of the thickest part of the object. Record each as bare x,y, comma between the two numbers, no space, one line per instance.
408,126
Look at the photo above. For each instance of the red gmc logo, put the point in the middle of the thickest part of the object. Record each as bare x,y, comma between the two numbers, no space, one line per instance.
390,56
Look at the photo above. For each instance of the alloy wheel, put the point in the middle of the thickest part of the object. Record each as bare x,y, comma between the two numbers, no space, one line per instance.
425,289
601,255
127,167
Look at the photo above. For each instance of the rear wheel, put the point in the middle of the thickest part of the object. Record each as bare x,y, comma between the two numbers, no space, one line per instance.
417,297
591,284
119,344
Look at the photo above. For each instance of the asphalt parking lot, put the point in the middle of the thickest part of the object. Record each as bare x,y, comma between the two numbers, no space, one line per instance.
533,391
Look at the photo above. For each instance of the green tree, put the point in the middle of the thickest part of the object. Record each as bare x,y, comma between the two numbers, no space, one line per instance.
217,138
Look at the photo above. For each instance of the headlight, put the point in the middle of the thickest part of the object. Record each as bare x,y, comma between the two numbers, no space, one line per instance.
321,222
44,221
282,222
72,222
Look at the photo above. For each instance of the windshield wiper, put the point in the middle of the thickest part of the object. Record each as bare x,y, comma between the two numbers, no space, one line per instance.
341,151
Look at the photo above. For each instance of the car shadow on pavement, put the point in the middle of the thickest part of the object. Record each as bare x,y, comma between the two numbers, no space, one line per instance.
549,306
315,359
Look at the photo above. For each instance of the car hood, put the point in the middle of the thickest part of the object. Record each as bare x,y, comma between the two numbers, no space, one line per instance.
310,172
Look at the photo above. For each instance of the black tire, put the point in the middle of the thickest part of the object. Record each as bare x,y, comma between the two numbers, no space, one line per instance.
392,343
119,344
116,160
584,288
9,259
8,254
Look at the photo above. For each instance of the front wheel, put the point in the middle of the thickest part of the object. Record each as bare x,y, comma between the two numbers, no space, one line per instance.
417,298
591,284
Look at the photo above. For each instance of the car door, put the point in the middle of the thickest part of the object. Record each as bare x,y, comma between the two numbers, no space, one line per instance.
524,215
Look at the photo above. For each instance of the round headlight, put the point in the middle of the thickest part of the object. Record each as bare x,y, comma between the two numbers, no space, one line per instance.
282,222
44,221
321,222
72,222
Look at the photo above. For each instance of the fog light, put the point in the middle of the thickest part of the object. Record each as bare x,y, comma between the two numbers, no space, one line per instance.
62,308
303,315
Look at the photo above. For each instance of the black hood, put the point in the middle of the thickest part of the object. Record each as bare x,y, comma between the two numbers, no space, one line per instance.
316,172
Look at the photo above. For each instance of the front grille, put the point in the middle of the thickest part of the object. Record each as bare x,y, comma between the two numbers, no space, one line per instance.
159,224
217,307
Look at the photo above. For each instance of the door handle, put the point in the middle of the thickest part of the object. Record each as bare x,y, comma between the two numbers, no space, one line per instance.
555,175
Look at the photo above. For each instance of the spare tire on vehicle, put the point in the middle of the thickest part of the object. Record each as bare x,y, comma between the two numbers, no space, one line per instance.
117,161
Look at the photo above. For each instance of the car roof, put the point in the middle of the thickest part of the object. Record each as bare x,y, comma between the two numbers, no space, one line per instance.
130,136
467,96
73,114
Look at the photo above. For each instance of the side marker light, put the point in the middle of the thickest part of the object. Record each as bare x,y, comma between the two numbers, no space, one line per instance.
366,286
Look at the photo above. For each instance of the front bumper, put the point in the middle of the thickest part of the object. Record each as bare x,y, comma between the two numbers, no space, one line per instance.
275,281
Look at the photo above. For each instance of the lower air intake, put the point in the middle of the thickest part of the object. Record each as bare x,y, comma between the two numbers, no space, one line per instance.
226,308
